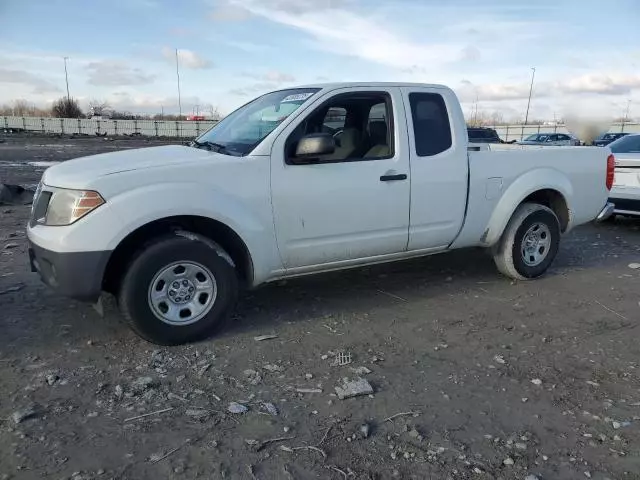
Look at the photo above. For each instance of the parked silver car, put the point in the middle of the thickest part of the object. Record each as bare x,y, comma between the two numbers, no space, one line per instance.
549,139
625,193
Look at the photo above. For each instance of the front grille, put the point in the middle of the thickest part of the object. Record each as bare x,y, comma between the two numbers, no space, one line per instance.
40,206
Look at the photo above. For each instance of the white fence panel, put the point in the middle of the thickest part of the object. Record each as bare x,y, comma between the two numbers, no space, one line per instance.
93,126
191,129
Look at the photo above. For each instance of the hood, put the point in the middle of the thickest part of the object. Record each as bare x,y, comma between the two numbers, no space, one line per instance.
77,173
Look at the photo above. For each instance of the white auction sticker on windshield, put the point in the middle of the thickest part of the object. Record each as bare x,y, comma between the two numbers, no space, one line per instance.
297,97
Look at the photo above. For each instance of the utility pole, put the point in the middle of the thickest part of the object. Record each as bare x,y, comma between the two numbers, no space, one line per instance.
161,112
475,114
179,98
66,77
533,74
625,119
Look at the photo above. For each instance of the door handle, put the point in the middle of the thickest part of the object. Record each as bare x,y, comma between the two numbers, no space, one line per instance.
392,178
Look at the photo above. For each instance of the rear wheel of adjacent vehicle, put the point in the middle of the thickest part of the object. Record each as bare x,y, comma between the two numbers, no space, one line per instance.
529,243
177,290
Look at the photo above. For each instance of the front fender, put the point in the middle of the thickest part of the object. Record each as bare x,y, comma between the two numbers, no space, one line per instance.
253,223
518,190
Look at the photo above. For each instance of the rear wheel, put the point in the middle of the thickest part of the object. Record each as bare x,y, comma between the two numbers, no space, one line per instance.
530,242
178,290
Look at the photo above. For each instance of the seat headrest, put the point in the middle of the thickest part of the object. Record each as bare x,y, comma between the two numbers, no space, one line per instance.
378,132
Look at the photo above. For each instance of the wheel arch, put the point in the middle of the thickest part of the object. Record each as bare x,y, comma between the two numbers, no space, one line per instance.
547,187
214,231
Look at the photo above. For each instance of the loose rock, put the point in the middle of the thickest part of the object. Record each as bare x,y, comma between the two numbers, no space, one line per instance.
261,338
508,461
360,370
272,368
196,412
536,381
20,416
253,376
365,430
353,388
270,408
237,408
142,384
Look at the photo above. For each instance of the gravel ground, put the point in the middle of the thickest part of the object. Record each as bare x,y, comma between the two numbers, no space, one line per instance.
473,375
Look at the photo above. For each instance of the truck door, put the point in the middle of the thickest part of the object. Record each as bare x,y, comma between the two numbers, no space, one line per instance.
439,166
350,205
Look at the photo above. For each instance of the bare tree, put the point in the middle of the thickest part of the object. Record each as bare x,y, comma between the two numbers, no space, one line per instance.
214,112
98,107
497,118
66,108
22,108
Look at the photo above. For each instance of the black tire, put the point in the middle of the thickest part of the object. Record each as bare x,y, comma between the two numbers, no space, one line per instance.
508,255
134,289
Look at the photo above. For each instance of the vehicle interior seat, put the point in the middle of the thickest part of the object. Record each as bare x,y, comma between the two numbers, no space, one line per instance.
379,140
346,144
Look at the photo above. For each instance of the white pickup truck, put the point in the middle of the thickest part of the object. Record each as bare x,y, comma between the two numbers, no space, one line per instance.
302,181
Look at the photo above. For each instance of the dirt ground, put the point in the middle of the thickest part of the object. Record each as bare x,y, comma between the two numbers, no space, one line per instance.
474,376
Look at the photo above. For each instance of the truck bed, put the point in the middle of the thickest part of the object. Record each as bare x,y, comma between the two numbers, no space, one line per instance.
502,175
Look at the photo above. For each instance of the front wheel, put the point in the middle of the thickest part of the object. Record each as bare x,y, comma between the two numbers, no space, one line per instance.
178,290
530,242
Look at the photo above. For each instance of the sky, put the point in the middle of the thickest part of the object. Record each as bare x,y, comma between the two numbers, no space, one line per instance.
586,53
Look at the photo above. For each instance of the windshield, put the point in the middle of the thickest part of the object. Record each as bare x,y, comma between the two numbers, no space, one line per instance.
241,131
626,144
532,138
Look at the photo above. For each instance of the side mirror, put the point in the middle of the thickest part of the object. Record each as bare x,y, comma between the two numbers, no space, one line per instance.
314,145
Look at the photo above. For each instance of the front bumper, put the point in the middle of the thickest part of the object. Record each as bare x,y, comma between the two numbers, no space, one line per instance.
76,275
606,212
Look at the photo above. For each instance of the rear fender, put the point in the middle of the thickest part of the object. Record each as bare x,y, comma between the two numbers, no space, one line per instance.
525,185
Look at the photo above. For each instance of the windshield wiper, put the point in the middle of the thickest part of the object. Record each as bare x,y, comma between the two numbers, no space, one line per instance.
217,147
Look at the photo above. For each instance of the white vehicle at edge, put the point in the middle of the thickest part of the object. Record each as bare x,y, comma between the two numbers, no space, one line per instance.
625,193
174,231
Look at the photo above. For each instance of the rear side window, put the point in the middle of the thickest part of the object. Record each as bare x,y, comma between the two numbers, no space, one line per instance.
627,144
431,128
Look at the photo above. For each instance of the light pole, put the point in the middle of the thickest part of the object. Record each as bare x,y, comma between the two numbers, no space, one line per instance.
66,77
475,114
179,99
533,74
625,119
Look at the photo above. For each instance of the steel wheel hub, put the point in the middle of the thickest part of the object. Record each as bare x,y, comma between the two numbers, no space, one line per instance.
182,293
536,244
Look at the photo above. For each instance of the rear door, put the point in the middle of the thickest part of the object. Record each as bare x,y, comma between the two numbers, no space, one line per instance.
439,166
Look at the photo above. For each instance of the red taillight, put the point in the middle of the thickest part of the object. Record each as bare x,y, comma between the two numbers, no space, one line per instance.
611,171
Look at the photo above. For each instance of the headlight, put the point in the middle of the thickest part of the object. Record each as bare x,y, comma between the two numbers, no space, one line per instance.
67,206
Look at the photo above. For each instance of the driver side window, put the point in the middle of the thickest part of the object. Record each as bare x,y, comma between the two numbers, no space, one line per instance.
358,124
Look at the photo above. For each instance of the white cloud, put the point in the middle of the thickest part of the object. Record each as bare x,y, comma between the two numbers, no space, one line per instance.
116,73
38,83
273,76
265,82
343,32
229,13
601,83
187,58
